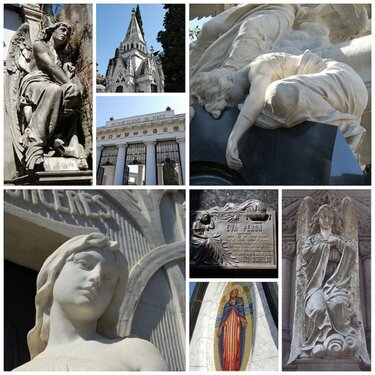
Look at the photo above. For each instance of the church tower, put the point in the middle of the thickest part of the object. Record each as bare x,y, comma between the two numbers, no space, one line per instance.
133,69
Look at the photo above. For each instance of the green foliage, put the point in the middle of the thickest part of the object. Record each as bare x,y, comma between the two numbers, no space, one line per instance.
173,42
138,16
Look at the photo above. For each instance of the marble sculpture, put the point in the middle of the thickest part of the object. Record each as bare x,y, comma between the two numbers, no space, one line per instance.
42,97
80,289
258,57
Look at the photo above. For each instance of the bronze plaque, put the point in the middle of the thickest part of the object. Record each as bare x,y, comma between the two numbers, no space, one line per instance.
234,236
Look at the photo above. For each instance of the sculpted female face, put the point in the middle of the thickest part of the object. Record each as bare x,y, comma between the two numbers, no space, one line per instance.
326,218
85,285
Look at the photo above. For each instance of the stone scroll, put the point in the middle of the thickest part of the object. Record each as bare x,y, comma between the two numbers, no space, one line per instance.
234,236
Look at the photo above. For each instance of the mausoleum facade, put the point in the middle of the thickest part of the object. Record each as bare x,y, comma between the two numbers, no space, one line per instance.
133,68
142,150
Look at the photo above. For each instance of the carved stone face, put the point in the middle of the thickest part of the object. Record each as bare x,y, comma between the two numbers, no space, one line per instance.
86,284
326,219
61,34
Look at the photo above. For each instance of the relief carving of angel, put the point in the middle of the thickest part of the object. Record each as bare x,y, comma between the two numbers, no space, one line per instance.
328,320
42,97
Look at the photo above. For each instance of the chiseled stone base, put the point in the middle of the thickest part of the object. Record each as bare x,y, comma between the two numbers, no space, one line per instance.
60,164
330,364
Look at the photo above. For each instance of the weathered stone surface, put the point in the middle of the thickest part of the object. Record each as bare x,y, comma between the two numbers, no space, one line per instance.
44,96
330,268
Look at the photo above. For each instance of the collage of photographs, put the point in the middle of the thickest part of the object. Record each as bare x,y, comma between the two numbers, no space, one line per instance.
186,186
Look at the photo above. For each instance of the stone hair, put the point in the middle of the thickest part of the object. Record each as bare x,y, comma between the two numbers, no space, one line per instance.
49,30
37,338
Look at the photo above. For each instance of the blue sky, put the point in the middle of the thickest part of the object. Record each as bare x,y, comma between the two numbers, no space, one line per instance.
191,288
198,22
112,21
126,106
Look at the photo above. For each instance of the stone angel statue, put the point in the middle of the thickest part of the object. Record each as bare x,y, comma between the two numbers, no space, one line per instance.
42,97
327,316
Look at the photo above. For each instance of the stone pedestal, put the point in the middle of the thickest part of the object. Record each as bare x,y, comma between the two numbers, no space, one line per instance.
54,178
307,154
342,364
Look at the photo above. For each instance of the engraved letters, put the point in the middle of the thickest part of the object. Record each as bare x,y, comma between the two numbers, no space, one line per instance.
245,233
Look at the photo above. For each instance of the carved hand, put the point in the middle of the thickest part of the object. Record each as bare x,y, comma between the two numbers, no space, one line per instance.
332,240
69,69
231,155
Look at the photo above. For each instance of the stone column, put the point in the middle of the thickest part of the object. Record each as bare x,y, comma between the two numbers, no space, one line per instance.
181,146
99,150
120,164
160,174
288,254
150,163
140,175
365,253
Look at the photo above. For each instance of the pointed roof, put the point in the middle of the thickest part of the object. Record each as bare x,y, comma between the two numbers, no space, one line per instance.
134,32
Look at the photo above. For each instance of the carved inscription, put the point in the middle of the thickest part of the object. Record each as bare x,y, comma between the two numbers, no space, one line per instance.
77,203
234,236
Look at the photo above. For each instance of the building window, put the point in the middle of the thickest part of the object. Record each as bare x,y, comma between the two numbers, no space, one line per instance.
134,172
119,89
108,158
168,163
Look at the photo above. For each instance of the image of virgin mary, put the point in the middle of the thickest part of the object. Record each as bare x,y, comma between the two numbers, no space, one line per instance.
232,332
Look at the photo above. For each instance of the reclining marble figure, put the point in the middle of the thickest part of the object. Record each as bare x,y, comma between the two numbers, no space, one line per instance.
80,289
259,58
42,97
328,320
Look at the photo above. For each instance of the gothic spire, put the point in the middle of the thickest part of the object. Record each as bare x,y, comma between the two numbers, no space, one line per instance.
134,34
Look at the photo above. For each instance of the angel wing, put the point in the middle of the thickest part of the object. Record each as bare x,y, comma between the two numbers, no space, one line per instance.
206,10
305,214
17,66
350,233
